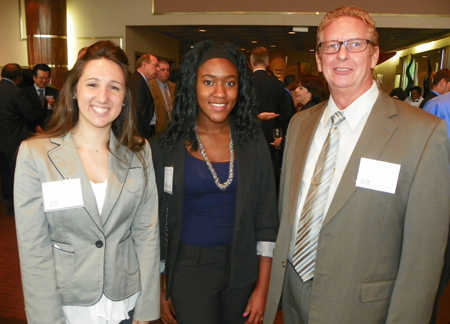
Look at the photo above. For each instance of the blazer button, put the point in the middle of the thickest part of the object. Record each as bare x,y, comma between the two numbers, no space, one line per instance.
99,244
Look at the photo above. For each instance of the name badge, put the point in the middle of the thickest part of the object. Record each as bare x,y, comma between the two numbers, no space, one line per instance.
378,175
60,195
168,179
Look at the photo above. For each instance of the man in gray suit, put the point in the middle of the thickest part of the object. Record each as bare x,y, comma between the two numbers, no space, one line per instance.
365,244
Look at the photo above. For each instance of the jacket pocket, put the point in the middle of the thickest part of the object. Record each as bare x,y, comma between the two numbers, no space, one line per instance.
376,290
127,255
64,258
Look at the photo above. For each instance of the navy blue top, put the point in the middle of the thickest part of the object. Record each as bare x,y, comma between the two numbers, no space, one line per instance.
208,212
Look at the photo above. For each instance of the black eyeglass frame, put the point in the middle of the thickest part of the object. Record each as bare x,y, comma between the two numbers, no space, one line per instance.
345,44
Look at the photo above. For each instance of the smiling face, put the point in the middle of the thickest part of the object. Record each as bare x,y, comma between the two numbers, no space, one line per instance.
303,95
41,79
100,93
217,90
348,74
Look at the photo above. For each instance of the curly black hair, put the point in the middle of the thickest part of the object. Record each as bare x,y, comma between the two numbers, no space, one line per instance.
185,110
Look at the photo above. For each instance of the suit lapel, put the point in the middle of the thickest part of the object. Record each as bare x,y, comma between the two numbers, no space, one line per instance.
119,164
67,161
375,136
157,91
307,128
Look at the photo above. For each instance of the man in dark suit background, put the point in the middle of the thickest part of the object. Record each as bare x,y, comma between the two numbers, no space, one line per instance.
364,195
15,111
147,67
441,85
271,103
42,97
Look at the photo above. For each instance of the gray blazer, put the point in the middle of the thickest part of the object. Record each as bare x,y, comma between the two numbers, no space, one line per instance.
73,256
379,255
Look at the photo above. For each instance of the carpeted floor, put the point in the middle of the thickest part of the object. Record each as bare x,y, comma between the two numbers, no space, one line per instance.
12,309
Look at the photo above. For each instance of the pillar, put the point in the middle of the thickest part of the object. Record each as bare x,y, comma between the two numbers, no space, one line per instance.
46,22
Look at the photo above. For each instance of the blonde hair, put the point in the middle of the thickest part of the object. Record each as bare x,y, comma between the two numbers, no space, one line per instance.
349,12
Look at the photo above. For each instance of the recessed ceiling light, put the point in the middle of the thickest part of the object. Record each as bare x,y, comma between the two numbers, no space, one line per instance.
254,42
192,46
273,45
291,32
312,50
242,49
202,30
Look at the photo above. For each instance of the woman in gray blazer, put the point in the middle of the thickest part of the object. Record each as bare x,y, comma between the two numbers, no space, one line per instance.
86,204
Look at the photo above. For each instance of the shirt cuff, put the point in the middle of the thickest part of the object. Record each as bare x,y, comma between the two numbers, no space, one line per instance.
265,249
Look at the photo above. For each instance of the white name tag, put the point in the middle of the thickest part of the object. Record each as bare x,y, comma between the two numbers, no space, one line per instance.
168,179
60,195
378,175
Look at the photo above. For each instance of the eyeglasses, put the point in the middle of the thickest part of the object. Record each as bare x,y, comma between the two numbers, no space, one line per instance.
352,45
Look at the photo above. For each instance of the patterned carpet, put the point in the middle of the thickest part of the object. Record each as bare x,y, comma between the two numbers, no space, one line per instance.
12,309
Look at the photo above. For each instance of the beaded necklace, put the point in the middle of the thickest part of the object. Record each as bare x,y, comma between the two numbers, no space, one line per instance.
221,186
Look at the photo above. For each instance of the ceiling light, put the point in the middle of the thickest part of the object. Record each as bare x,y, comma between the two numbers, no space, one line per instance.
202,30
300,29
273,45
254,42
291,32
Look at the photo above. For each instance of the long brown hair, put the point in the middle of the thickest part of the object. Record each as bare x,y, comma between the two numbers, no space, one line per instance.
66,114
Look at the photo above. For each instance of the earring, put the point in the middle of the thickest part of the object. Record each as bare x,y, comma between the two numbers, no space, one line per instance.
74,97
123,105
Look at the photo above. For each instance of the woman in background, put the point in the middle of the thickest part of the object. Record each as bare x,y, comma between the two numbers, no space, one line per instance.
311,91
86,204
217,194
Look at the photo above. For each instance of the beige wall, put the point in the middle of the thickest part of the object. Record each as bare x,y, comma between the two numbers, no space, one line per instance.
13,50
141,40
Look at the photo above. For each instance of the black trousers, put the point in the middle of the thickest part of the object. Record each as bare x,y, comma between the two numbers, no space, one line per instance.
7,168
200,291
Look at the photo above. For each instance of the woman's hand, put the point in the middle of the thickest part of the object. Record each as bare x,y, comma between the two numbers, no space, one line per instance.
257,303
267,116
167,310
256,306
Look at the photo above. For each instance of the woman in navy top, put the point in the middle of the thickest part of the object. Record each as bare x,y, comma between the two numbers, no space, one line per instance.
217,194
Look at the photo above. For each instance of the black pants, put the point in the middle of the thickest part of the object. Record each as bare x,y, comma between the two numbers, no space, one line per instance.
200,291
7,167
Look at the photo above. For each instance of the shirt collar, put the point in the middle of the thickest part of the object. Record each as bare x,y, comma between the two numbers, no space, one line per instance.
161,85
37,88
355,112
9,81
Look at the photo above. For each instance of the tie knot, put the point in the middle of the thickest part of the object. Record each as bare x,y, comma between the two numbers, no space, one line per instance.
337,118
41,91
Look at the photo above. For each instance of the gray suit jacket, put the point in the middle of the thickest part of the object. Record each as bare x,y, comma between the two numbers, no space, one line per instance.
161,109
379,255
73,256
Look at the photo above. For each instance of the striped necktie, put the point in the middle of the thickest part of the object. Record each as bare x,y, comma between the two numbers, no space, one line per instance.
312,215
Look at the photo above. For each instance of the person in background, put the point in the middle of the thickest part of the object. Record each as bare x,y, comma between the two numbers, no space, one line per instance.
216,194
415,98
290,84
399,94
15,113
311,90
86,204
42,97
441,85
147,67
163,93
364,197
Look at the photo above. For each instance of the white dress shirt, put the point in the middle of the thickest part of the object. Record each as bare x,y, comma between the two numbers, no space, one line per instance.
350,129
